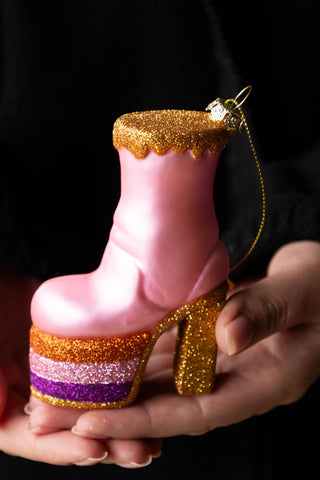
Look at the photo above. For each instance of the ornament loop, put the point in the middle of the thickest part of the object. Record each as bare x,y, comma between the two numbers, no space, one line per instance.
238,104
232,104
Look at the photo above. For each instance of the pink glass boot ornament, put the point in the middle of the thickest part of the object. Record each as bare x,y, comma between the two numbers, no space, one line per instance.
163,265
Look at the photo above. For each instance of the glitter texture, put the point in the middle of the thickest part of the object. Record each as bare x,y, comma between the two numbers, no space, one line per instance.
88,350
82,372
58,402
162,130
196,350
96,393
194,360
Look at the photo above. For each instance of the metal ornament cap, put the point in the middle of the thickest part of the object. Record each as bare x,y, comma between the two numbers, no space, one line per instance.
229,110
220,111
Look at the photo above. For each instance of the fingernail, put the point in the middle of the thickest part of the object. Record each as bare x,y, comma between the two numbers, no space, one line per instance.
35,430
88,462
40,430
238,334
88,434
136,465
27,409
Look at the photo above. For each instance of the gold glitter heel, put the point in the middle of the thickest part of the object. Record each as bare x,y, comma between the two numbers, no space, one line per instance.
196,350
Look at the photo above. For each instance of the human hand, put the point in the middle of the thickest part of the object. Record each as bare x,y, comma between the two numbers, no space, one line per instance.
278,334
57,446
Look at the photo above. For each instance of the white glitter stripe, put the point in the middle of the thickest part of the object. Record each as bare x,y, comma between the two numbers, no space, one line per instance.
83,373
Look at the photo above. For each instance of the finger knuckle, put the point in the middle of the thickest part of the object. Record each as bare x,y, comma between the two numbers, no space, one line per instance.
275,311
204,424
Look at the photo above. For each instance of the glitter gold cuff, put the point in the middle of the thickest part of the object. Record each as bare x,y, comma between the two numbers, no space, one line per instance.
107,372
162,130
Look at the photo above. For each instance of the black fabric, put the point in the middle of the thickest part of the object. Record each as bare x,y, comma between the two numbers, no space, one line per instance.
67,71
272,48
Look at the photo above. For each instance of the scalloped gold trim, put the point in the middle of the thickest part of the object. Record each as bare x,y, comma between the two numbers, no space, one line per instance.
163,130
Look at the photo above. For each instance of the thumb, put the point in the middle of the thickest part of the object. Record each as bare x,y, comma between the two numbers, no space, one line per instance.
282,300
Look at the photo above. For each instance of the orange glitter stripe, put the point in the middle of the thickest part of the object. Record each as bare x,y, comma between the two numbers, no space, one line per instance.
88,350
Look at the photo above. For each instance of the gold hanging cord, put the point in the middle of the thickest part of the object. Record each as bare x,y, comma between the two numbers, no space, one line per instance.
234,107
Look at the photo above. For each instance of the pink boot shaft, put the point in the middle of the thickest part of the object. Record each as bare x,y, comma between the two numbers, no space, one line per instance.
163,252
163,249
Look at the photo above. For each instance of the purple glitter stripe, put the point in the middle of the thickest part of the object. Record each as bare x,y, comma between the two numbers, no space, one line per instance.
94,393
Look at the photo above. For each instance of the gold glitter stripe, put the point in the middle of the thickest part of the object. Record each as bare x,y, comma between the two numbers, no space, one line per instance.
162,130
88,350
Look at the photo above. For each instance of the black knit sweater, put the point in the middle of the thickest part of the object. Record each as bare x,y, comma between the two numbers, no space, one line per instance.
68,70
